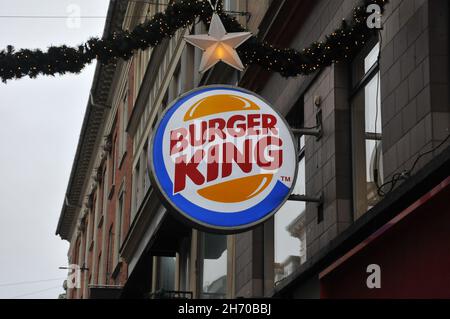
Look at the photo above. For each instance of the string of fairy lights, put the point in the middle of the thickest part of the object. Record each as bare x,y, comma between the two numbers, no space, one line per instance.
338,46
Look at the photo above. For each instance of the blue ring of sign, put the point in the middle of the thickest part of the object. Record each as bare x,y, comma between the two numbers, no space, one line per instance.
200,214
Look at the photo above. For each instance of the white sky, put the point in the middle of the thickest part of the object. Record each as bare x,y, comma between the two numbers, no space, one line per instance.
40,121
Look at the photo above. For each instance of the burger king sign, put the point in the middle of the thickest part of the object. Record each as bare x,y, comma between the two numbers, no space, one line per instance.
222,159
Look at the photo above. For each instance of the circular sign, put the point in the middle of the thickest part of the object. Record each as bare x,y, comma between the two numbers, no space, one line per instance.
223,159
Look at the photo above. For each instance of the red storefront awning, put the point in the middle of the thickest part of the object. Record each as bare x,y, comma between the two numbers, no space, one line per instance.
412,250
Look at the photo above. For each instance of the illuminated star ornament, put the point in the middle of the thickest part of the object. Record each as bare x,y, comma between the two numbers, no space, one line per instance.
218,45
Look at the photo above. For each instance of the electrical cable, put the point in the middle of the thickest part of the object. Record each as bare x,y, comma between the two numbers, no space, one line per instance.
149,2
407,173
397,177
81,17
85,17
29,282
35,292
58,17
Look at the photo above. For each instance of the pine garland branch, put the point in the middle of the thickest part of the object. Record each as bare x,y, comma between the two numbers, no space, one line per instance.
339,46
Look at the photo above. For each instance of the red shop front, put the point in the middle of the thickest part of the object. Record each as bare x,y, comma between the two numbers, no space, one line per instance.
412,251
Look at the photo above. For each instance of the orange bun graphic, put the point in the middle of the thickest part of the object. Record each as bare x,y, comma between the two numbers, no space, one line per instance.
238,190
217,104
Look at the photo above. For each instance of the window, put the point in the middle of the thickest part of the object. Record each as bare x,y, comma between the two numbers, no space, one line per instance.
76,252
289,221
214,276
109,259
114,160
146,174
105,189
99,265
163,274
141,180
148,11
230,5
123,127
92,219
75,260
138,74
164,103
366,130
175,84
162,5
119,221
136,189
184,264
167,273
143,165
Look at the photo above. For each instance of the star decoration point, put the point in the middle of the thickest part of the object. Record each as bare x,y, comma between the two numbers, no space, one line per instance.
218,45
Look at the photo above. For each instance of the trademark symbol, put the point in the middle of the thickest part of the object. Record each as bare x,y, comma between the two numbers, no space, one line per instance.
285,178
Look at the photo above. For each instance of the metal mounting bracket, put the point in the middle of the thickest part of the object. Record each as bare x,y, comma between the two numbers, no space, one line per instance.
304,198
316,131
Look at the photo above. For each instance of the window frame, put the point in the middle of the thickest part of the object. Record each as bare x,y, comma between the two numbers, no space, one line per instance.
359,134
120,214
295,118
136,189
110,255
201,258
105,190
122,135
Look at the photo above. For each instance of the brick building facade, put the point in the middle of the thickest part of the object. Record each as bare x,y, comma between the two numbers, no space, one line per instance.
380,114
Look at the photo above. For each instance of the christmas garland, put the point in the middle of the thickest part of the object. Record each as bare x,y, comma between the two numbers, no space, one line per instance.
340,45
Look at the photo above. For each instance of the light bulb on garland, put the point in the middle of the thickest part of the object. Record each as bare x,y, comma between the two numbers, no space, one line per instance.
218,45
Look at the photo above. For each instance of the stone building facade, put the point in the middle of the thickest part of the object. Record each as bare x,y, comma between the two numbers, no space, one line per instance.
380,114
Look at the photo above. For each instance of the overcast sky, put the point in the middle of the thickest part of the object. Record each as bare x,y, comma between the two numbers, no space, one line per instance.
40,122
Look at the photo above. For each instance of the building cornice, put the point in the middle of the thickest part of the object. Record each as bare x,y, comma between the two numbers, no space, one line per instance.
90,136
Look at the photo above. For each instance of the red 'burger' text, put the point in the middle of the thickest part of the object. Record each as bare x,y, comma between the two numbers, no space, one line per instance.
255,143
